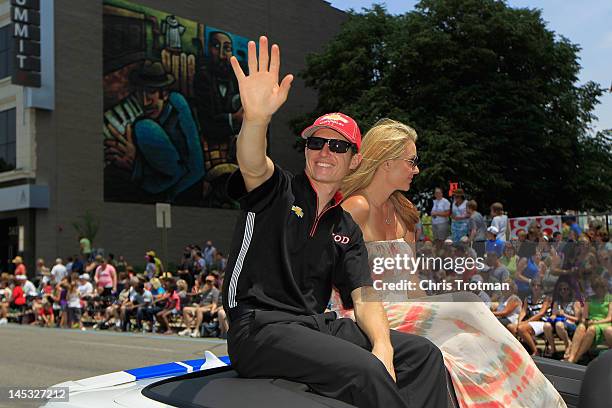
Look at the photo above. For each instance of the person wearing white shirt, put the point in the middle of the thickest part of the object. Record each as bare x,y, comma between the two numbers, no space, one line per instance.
440,212
85,287
29,289
500,220
59,271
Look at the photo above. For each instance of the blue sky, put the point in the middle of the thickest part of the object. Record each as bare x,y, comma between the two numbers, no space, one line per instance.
587,23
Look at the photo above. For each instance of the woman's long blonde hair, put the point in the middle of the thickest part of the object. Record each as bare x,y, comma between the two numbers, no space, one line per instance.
386,140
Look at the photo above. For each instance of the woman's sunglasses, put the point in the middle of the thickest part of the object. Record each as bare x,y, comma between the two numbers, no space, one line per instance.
335,145
414,161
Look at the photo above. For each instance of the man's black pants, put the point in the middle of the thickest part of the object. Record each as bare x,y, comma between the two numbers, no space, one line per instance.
333,356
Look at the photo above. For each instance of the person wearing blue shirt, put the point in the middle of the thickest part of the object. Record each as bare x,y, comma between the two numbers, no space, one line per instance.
493,244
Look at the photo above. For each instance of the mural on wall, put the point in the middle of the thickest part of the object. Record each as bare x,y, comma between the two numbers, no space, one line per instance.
172,108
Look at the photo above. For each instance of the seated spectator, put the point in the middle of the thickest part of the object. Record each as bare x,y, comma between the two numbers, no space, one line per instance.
18,299
498,273
481,293
204,316
126,308
172,307
528,268
509,308
534,319
45,315
206,300
182,289
157,289
5,300
566,311
113,311
595,326
141,302
509,259
123,281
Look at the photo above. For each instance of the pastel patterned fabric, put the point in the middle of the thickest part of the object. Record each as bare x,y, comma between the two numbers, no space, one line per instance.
488,366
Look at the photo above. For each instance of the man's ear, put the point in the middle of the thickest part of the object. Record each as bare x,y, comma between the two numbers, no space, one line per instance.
355,161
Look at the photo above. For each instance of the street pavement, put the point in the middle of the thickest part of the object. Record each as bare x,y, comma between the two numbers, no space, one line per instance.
40,357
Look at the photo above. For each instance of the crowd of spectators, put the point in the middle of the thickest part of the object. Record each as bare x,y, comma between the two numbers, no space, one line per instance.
100,292
557,288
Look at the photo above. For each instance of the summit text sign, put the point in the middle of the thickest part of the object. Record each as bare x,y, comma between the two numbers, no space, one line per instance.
25,17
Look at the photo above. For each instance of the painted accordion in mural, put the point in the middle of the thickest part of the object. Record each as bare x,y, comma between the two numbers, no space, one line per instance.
172,108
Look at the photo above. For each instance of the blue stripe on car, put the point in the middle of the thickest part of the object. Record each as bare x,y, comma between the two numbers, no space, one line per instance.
169,369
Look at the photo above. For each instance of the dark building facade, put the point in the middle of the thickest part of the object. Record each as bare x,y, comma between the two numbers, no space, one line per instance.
137,107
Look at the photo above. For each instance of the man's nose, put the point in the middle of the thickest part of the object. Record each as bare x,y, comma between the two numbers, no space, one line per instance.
325,150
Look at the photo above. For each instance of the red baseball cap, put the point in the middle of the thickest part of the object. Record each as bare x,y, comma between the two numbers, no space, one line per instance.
341,123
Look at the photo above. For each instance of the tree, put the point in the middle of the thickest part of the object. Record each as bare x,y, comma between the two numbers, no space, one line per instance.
87,227
491,91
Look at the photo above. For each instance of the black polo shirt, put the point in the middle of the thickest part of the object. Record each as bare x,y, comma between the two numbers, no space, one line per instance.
284,257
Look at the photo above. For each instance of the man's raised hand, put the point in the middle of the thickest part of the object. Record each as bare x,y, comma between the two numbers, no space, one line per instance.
260,93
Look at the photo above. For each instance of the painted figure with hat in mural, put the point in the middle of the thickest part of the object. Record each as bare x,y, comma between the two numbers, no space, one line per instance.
220,113
162,149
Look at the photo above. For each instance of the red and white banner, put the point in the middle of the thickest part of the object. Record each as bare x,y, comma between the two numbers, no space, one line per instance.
548,224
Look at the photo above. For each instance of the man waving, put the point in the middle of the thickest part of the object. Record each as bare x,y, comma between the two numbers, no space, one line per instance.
292,244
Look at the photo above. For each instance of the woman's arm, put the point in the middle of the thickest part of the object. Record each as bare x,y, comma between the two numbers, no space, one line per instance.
520,267
608,318
577,311
585,313
510,306
523,312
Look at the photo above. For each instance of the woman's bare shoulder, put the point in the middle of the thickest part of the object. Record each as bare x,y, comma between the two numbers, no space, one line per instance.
358,207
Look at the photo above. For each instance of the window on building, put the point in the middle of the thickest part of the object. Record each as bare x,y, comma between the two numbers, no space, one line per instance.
5,50
8,145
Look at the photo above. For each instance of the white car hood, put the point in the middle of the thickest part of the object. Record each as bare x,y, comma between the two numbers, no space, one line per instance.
123,388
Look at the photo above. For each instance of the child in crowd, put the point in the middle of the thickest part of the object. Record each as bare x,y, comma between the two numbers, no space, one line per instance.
172,307
74,306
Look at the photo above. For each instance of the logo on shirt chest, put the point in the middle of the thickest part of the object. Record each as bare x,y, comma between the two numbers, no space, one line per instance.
341,239
297,211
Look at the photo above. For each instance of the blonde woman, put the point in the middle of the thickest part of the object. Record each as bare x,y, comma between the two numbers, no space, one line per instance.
487,364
